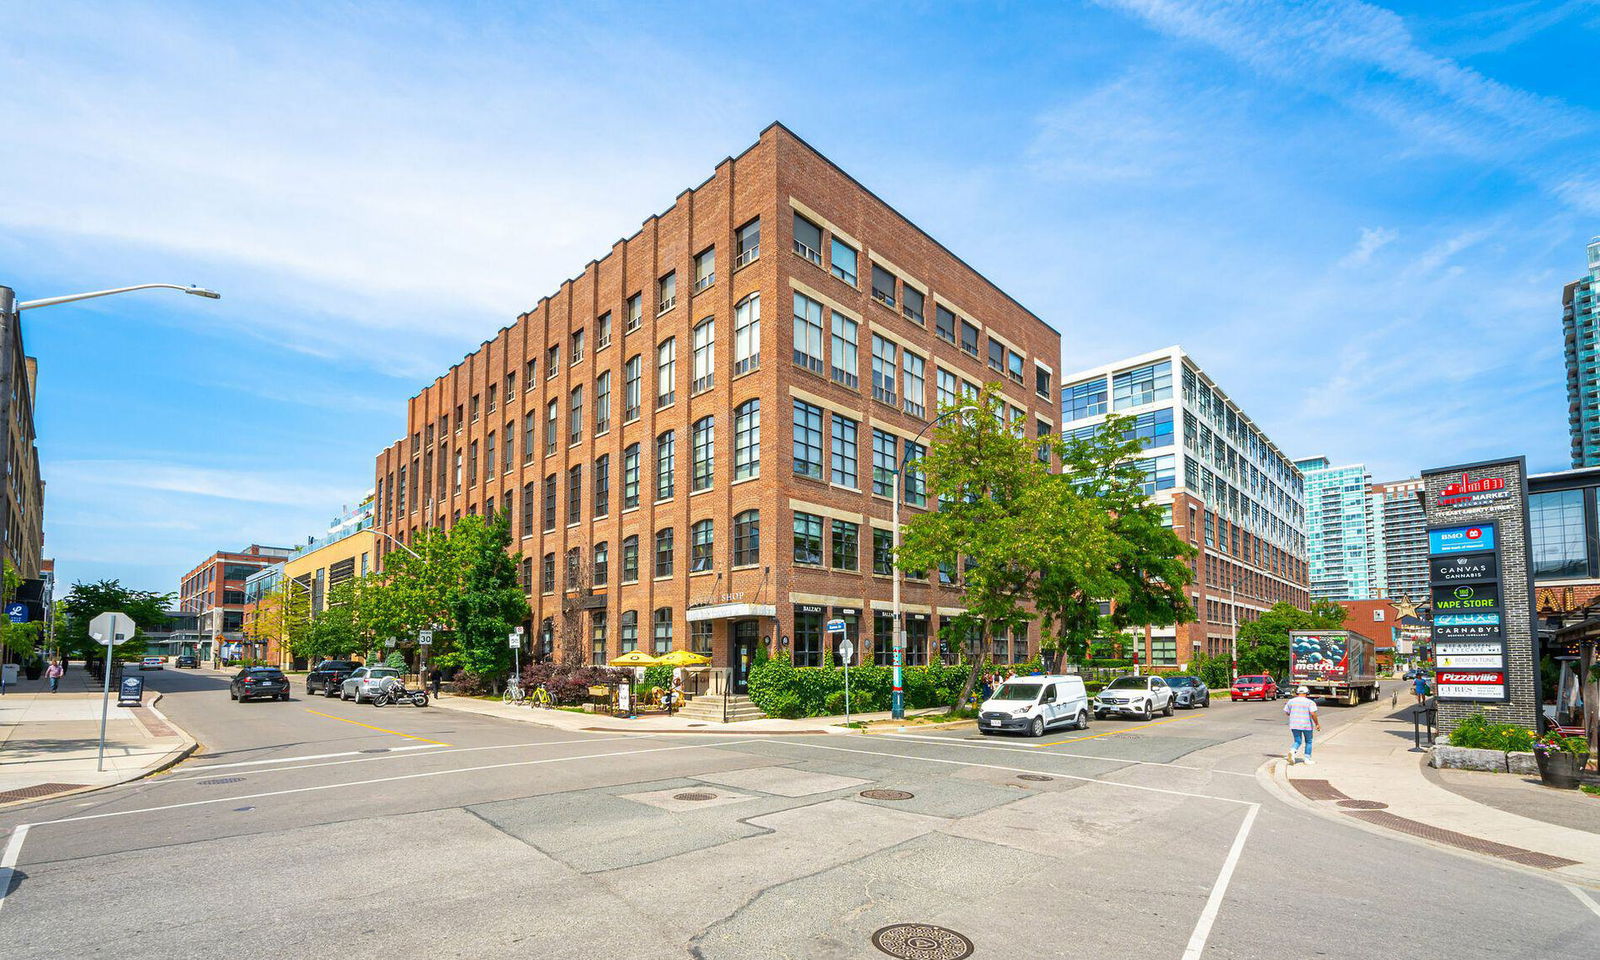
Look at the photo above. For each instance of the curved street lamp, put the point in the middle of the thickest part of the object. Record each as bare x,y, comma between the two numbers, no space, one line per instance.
52,301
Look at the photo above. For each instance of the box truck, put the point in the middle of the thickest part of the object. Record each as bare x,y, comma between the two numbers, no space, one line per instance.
1336,665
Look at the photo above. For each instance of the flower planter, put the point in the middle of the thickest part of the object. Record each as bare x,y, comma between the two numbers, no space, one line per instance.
1561,768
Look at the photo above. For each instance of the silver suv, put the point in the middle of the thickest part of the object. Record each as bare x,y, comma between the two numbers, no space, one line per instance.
1140,697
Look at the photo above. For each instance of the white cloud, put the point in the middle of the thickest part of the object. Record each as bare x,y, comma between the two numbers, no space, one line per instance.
248,486
1372,240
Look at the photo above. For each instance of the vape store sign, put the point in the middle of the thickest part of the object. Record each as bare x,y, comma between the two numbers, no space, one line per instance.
1466,598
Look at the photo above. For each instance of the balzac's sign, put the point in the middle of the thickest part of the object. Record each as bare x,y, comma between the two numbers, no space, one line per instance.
1468,492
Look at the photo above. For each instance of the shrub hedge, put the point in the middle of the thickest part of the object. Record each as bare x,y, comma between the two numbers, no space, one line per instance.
783,690
1477,733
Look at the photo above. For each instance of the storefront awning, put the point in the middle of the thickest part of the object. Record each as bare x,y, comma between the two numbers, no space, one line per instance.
731,611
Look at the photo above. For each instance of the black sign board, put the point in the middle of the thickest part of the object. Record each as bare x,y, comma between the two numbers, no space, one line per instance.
1466,598
131,693
1462,567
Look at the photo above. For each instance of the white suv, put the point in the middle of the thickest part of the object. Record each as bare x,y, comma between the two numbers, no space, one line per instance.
1140,697
1031,704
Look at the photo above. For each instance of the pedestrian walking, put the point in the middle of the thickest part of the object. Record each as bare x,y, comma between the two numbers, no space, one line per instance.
435,678
1419,686
1302,713
54,672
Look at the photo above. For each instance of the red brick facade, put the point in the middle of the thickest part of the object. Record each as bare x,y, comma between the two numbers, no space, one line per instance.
489,397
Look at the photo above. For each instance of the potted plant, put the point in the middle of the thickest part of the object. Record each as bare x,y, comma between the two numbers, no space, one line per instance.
1561,759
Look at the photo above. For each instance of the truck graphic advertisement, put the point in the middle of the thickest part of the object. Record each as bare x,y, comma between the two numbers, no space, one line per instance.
1338,665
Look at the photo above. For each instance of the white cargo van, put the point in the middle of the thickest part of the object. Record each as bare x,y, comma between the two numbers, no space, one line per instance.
1034,704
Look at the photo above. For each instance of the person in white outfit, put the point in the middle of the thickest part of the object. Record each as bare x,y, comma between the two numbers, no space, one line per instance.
1302,713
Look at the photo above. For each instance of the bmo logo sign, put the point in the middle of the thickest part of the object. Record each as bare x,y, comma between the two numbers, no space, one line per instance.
1465,539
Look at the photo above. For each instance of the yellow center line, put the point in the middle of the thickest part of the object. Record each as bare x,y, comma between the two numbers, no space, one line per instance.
1109,733
369,726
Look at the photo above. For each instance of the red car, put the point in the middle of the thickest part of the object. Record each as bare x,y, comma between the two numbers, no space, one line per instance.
1255,688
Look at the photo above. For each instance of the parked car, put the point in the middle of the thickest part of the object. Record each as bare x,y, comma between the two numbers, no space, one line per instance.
1189,692
1259,687
153,663
1033,704
326,677
1140,697
254,682
187,660
364,682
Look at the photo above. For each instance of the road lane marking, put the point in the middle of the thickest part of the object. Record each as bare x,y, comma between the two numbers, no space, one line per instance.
1056,753
1208,916
201,773
369,726
1109,733
1048,773
314,756
1584,898
8,861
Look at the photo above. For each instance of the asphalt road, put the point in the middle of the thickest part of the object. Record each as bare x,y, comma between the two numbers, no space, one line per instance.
468,836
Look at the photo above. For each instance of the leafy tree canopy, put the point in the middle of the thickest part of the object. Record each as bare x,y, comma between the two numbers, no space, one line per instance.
88,600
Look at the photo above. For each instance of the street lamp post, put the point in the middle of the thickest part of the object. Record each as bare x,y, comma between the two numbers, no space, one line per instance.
897,703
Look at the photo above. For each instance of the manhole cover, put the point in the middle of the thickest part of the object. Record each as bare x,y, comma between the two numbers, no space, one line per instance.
896,795
1036,777
694,796
1364,804
922,941
220,781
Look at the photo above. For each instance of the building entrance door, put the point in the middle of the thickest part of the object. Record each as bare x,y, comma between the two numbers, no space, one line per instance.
745,638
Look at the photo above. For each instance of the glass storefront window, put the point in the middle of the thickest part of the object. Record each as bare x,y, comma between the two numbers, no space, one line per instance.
1556,523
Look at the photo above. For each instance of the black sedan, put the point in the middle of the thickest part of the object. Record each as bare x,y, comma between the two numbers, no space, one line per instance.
1189,692
253,682
187,660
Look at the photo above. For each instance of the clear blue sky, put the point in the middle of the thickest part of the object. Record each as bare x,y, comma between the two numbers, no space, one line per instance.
1358,218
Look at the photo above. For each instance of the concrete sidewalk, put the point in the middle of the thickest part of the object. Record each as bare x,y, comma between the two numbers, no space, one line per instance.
1369,772
656,723
49,742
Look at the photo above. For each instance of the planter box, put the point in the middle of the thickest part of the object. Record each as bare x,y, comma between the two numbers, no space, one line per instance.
1522,763
1463,758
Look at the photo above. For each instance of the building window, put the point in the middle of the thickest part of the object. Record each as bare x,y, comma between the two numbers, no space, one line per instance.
705,336
474,408
630,559
575,494
913,375
882,552
630,389
808,539
528,497
575,416
969,338
602,563
1158,473
667,292
1014,365
911,303
885,462
997,355
1556,529
843,261
700,637
597,638
916,485
882,286
845,363
576,348
807,333
882,637
808,239
807,638
944,324
628,631
549,503
884,371
633,311
1086,399
472,464
602,485
846,545
1041,381
1043,431
602,331
1146,384
458,470
747,334
509,449
666,372
944,388
552,433
701,545
705,268
807,440
530,374
574,569
547,578
666,462
916,628
747,538
747,243
491,398
705,454
552,362
843,451
630,477
602,403
661,630
664,552
1152,429
528,432
747,440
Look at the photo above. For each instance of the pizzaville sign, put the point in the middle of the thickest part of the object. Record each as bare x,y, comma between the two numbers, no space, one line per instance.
1468,492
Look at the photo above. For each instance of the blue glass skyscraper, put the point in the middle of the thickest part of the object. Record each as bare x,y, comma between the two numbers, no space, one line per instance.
1580,326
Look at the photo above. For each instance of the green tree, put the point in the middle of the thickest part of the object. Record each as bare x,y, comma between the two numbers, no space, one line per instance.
1264,642
19,638
88,600
486,601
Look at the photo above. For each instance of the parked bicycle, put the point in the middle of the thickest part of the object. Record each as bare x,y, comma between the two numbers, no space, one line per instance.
541,698
514,693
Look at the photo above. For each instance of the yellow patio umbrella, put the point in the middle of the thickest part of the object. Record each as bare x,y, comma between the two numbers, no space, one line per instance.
682,658
634,658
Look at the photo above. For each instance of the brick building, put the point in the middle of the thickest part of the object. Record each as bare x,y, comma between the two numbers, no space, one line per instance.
214,591
697,437
1231,492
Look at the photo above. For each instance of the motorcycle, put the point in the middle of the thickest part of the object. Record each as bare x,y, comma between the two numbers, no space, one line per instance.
395,692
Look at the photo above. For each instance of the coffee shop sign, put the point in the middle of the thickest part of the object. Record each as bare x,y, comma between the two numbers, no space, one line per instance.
716,599
1468,492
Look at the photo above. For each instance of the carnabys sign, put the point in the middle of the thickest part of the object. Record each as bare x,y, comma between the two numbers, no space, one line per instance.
1466,598
1468,631
1470,684
1474,538
1461,568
